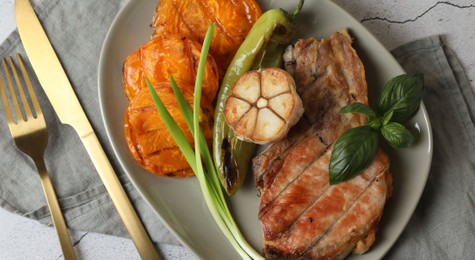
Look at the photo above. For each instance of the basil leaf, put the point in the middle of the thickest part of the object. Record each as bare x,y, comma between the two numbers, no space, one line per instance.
387,117
402,95
397,135
358,107
353,152
375,123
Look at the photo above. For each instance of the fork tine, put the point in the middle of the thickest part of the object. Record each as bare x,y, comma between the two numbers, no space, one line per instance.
19,86
12,91
6,106
31,92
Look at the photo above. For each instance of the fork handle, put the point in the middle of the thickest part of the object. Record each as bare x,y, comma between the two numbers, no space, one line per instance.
55,210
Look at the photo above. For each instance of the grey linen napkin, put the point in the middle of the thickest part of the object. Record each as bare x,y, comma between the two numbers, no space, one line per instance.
76,30
442,226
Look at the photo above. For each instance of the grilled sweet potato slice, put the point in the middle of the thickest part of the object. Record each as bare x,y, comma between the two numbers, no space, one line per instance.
164,56
149,140
190,18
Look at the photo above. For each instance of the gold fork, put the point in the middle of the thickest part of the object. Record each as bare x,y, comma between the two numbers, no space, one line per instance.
31,137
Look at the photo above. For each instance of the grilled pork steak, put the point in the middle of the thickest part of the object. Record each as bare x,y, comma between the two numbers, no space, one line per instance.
302,215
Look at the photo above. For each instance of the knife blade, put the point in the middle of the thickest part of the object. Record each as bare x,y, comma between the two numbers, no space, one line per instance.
57,87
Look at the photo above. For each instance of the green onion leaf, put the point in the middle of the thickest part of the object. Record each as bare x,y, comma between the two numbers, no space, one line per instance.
173,127
208,179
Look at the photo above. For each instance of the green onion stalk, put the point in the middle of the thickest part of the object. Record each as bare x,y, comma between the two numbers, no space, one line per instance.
208,178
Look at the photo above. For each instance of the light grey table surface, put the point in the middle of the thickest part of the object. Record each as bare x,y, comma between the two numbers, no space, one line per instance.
393,22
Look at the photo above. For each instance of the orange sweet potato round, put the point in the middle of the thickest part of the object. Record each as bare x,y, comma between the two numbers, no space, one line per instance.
191,18
164,56
149,140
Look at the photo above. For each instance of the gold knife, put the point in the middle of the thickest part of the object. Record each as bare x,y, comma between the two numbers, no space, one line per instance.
56,84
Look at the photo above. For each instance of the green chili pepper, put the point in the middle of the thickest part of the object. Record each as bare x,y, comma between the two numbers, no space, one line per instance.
263,47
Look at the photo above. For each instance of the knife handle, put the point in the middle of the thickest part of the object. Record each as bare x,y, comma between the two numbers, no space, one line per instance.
122,203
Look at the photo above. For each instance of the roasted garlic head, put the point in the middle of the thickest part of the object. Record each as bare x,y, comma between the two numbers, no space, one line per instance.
263,106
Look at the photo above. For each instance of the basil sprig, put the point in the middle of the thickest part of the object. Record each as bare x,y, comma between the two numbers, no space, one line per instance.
355,149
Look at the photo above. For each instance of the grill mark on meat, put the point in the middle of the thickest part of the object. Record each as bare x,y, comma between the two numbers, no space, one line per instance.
325,136
372,183
345,232
280,217
271,199
273,193
329,244
292,173
259,163
291,240
265,162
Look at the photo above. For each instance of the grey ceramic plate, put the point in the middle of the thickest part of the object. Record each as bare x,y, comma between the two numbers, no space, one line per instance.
179,203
